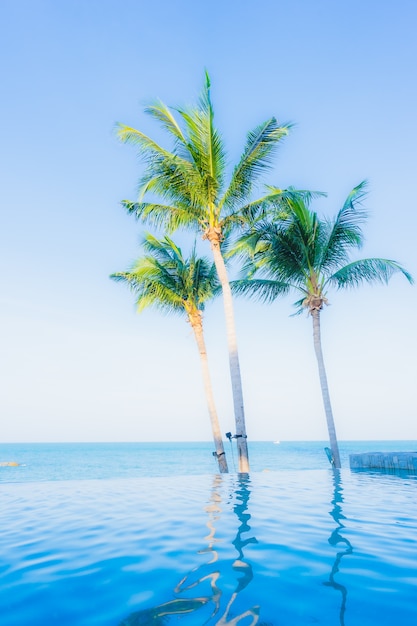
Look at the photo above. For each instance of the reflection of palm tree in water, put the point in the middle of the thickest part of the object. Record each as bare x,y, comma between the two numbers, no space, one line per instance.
158,615
335,539
240,565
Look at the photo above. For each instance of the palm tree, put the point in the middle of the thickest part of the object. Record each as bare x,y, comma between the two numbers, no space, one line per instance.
190,182
301,252
173,284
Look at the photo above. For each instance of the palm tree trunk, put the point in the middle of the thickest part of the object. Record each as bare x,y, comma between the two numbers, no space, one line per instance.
315,313
196,323
241,438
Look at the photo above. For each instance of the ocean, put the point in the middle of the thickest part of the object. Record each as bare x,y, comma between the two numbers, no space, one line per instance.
151,534
81,461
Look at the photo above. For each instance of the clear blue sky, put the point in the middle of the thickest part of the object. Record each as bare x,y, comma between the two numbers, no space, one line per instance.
77,363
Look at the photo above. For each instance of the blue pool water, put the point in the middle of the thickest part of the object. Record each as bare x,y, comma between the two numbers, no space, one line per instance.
284,547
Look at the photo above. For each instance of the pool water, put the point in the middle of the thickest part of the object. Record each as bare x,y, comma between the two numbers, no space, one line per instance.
281,548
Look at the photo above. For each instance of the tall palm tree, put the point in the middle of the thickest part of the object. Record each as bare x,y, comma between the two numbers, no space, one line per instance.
187,186
165,279
303,253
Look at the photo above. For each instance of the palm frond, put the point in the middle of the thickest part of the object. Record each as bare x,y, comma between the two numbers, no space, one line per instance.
147,146
295,239
345,232
245,245
163,250
168,281
171,175
205,144
274,249
246,215
162,113
299,306
169,216
175,178
289,257
150,291
260,147
281,198
273,206
373,270
357,195
260,289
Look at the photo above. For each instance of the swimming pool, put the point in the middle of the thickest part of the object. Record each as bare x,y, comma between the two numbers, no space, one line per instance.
284,548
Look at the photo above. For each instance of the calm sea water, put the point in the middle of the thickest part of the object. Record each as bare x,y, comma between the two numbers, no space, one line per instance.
81,461
146,534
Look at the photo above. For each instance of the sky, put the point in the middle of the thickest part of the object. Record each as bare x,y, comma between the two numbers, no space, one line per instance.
77,363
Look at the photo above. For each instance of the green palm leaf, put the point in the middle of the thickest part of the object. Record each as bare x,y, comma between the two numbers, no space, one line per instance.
357,195
260,289
367,271
160,112
127,134
260,147
345,233
169,216
166,280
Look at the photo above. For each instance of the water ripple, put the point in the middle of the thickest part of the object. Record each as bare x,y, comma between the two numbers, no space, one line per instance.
281,548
